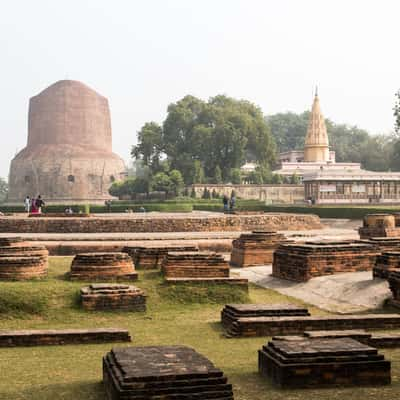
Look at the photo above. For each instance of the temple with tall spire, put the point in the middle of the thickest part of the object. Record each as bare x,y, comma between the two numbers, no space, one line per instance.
316,154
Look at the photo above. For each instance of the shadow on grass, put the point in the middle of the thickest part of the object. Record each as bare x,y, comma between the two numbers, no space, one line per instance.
76,390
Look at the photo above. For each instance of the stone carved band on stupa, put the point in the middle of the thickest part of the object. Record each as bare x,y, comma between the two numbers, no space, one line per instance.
316,148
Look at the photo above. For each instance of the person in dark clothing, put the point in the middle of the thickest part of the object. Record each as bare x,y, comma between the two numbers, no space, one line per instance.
225,202
39,203
232,202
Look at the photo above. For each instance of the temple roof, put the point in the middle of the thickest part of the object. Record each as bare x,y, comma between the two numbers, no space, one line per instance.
316,132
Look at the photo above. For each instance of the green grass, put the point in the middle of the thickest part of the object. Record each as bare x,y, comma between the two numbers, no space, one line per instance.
173,317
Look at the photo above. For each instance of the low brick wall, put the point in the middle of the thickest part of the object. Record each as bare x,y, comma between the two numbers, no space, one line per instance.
58,337
269,326
169,223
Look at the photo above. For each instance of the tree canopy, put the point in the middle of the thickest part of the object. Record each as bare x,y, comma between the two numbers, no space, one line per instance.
3,190
207,140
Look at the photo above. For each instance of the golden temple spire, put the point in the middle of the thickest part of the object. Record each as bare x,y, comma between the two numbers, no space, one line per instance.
316,147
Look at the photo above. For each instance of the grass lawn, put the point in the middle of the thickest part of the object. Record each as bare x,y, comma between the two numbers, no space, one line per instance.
74,372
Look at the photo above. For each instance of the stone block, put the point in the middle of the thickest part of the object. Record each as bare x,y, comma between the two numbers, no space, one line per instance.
386,263
162,372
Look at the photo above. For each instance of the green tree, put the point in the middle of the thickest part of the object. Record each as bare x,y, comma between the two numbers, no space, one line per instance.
3,190
218,175
276,178
295,179
149,147
193,193
236,176
197,137
198,172
255,177
177,182
161,182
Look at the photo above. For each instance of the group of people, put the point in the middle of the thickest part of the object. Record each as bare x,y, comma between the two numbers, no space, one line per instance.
33,206
229,204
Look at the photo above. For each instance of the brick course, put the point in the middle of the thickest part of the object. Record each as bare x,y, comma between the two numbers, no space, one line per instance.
256,248
310,363
301,262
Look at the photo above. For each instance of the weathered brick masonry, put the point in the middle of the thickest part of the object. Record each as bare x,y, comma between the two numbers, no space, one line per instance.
102,266
267,221
380,225
256,248
162,372
62,336
314,363
301,262
394,284
386,263
151,257
113,297
21,260
198,267
294,325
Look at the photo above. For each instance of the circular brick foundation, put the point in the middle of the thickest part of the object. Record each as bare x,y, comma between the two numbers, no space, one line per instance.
102,266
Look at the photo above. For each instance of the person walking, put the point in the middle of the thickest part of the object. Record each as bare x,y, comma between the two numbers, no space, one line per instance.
39,204
27,204
232,202
225,202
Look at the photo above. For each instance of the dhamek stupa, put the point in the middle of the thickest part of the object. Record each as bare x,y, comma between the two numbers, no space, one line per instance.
68,158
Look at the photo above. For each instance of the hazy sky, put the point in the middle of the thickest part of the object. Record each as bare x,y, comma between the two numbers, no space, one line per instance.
144,54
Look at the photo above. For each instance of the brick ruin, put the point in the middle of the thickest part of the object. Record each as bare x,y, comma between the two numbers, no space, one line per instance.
380,225
35,337
386,263
381,340
20,260
301,262
256,248
175,372
188,222
310,363
102,266
102,297
152,257
231,312
250,321
384,244
198,266
394,284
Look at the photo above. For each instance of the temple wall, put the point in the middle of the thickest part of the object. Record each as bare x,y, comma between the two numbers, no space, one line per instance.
267,193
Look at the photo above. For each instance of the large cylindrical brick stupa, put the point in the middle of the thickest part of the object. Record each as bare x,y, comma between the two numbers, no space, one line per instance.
69,155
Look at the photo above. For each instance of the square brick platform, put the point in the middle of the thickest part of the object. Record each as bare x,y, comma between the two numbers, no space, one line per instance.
198,267
394,284
152,257
256,248
231,312
301,262
113,297
162,372
322,363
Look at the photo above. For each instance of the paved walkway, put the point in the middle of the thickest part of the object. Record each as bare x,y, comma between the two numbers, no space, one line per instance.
340,293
